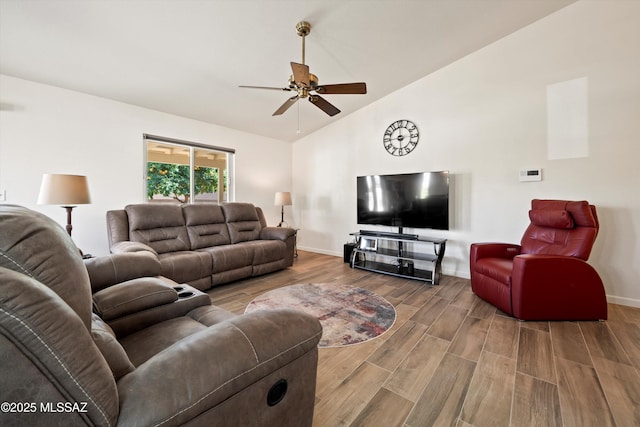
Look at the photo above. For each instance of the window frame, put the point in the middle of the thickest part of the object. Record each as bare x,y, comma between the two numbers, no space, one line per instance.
192,146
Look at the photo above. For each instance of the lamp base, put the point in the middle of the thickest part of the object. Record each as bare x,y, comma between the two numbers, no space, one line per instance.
282,221
69,209
69,227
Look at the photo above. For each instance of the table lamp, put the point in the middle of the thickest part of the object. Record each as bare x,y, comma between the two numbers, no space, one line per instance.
66,191
283,198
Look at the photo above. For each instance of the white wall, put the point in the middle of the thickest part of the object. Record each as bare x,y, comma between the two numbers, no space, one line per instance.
44,129
484,118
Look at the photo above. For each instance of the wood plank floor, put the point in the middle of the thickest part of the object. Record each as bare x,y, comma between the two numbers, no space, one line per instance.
452,359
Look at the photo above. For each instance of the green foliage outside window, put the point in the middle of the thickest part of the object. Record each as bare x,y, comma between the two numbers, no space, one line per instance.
172,180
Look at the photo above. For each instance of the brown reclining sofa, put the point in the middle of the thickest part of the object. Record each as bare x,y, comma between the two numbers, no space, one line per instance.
203,245
110,342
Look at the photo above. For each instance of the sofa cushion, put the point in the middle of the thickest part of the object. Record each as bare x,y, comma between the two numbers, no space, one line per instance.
210,315
160,226
27,245
552,218
142,345
205,225
496,268
230,257
265,251
582,213
37,325
114,354
242,220
117,226
560,227
186,266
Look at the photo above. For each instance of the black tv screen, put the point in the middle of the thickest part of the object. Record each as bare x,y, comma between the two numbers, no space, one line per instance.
415,200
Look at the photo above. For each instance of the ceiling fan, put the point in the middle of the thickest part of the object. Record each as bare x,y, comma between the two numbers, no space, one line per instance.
304,83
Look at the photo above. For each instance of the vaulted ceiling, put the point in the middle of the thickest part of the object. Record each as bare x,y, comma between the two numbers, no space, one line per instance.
188,57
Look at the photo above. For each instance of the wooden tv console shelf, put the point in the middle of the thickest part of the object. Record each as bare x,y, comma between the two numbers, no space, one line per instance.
397,254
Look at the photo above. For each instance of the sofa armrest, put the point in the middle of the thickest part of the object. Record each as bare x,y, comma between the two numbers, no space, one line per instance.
277,233
491,250
126,246
207,368
133,296
556,287
494,250
188,299
109,270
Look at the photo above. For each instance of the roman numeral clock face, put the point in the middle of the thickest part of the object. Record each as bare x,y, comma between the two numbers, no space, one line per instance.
401,137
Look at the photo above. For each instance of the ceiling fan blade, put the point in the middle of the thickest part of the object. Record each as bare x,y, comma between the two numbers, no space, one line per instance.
300,73
343,88
287,104
267,87
324,105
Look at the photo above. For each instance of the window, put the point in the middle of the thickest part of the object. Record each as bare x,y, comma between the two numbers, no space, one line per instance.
187,172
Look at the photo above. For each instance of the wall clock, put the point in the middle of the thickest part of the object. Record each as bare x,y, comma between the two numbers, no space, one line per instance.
401,137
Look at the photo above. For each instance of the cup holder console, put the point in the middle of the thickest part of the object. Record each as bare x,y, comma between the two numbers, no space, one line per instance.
183,292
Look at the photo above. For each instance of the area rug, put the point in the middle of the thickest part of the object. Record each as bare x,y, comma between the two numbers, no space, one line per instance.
348,315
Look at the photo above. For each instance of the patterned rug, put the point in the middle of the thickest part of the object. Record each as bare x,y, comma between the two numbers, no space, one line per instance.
348,315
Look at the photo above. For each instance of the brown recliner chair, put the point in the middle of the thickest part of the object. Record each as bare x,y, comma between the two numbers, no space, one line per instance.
546,277
168,359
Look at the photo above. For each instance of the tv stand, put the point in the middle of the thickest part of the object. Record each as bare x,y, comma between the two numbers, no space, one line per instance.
388,234
386,253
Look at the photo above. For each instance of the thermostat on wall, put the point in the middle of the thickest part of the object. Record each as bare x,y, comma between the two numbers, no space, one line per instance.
531,175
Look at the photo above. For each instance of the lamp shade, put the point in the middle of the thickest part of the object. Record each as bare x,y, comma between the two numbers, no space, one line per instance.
283,198
66,190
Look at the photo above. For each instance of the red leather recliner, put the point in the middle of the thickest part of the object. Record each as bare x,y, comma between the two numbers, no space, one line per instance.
546,277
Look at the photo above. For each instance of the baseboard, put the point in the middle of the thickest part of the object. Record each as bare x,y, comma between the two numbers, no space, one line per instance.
320,251
462,274
629,302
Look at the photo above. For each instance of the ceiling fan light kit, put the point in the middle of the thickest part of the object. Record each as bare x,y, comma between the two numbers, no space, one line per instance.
303,82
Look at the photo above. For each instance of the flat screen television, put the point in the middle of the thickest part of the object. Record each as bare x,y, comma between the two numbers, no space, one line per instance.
414,200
